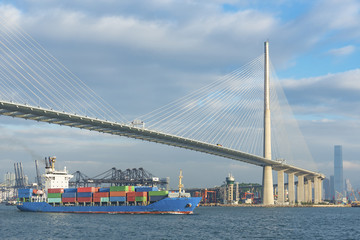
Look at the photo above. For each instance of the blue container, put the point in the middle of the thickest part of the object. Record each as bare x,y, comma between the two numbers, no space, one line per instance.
25,192
70,190
69,195
145,189
84,194
104,189
117,199
156,198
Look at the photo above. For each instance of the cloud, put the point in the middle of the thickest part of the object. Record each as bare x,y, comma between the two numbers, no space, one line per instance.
351,166
347,50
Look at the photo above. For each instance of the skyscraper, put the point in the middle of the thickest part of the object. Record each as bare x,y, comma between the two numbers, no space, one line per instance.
338,171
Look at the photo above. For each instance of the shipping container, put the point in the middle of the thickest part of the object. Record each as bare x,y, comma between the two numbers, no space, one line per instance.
69,195
130,199
54,195
100,199
130,194
158,193
117,199
141,194
140,199
84,194
54,200
70,190
68,200
101,194
25,192
156,198
86,189
118,194
145,189
55,190
104,189
84,199
118,188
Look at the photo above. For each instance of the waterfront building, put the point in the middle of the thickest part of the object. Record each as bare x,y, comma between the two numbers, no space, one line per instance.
332,191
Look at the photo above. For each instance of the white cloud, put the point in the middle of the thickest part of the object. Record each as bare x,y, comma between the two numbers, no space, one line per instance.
347,50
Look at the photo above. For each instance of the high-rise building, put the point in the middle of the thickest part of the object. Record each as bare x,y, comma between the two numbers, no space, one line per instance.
338,171
332,191
326,187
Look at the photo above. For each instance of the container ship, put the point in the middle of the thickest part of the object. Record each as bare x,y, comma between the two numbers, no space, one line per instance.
57,197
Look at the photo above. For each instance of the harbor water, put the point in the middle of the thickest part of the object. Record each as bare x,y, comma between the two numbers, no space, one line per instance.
205,223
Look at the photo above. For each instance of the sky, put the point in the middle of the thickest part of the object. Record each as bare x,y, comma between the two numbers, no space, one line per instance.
141,55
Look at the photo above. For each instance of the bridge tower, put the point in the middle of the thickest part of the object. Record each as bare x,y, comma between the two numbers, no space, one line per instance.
267,182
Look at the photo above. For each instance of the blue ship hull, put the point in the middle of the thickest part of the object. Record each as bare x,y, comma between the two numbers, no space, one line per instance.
167,205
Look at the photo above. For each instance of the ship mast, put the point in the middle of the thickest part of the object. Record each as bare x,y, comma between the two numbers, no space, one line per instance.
180,184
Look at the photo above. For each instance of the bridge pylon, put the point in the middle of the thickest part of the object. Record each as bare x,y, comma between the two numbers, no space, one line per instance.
268,188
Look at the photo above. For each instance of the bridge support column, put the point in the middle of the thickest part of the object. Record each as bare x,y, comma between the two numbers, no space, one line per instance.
291,184
306,192
309,190
300,192
316,190
280,183
268,186
320,190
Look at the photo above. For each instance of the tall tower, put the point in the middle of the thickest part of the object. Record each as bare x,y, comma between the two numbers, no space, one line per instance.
230,189
268,188
338,171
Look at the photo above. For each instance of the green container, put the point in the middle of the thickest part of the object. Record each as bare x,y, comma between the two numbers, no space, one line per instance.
158,193
122,189
118,188
104,199
140,199
54,195
54,200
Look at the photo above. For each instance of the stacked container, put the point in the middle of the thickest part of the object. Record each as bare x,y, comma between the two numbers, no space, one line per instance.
157,195
25,194
85,194
54,195
102,195
69,195
120,193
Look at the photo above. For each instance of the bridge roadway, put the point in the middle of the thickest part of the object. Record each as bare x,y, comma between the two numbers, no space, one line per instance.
114,128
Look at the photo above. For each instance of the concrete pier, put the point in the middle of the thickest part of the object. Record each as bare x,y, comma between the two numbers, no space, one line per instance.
300,189
309,191
291,184
281,190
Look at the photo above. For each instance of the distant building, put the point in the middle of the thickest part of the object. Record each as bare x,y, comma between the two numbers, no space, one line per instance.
327,190
332,191
338,171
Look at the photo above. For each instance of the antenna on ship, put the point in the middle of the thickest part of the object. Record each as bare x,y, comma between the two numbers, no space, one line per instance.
180,184
52,161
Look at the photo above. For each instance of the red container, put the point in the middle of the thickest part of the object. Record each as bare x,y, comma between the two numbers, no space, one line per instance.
86,189
84,199
117,194
68,200
140,194
55,190
131,194
96,199
101,194
130,199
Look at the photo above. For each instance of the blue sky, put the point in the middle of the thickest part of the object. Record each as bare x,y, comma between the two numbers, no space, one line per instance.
164,49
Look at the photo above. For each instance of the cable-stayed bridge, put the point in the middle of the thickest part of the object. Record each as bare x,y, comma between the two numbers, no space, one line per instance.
224,118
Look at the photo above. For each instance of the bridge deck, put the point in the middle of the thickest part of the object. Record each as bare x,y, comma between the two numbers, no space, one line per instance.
114,128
